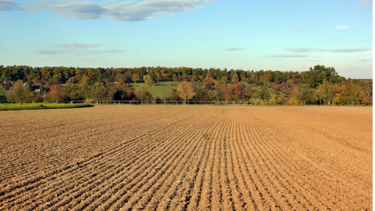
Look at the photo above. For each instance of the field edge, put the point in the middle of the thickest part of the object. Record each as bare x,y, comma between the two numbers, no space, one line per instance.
34,106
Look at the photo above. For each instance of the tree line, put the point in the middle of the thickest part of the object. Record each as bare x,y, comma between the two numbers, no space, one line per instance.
318,85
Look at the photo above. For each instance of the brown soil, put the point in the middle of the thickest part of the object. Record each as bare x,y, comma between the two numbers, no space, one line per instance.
187,158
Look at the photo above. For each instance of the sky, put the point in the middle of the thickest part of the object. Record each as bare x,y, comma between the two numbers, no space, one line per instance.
288,35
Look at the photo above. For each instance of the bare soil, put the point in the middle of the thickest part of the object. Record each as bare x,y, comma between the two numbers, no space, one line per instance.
187,158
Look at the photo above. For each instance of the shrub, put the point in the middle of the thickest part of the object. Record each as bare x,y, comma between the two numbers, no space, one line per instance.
19,93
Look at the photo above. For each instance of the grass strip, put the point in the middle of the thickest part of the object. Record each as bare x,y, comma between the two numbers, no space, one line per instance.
31,106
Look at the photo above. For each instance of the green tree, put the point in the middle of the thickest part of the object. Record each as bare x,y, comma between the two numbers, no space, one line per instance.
86,84
46,73
123,92
306,94
18,93
73,92
235,78
319,73
2,94
35,97
98,91
264,94
136,78
349,92
322,92
142,94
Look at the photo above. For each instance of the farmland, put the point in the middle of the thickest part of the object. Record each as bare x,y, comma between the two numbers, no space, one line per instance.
187,158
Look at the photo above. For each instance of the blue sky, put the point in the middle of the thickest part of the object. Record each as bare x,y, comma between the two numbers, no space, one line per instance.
249,35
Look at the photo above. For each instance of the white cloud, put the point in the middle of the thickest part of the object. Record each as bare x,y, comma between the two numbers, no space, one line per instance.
126,11
343,27
51,51
77,49
104,51
286,56
339,50
78,45
234,49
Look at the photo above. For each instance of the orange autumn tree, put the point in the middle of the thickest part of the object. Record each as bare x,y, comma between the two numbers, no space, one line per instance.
55,94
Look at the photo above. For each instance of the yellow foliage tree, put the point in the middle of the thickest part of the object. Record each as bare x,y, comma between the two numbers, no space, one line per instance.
185,90
147,79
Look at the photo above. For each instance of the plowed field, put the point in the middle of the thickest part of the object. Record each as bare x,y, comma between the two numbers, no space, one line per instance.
187,158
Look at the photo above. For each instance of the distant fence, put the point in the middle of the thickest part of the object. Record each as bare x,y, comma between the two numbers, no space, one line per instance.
157,102
160,102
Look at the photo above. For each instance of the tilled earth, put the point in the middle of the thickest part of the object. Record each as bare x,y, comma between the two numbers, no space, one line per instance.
187,158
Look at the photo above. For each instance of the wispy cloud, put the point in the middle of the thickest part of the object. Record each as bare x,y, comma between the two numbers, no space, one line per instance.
104,51
365,4
285,56
342,27
78,45
77,49
234,49
297,30
340,50
349,50
365,60
51,51
8,5
126,11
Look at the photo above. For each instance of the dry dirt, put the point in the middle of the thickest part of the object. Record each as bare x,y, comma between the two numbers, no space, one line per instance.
187,158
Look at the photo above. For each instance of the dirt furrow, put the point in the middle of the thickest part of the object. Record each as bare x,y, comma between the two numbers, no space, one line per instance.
281,184
325,181
134,181
188,149
175,192
116,150
81,164
271,159
283,199
234,177
49,139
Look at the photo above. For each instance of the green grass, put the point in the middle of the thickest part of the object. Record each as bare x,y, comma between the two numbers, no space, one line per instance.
30,106
163,89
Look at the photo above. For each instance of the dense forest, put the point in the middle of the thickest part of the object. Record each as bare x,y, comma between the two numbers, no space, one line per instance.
319,85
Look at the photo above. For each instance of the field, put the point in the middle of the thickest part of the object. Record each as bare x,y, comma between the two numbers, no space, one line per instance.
163,89
187,158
